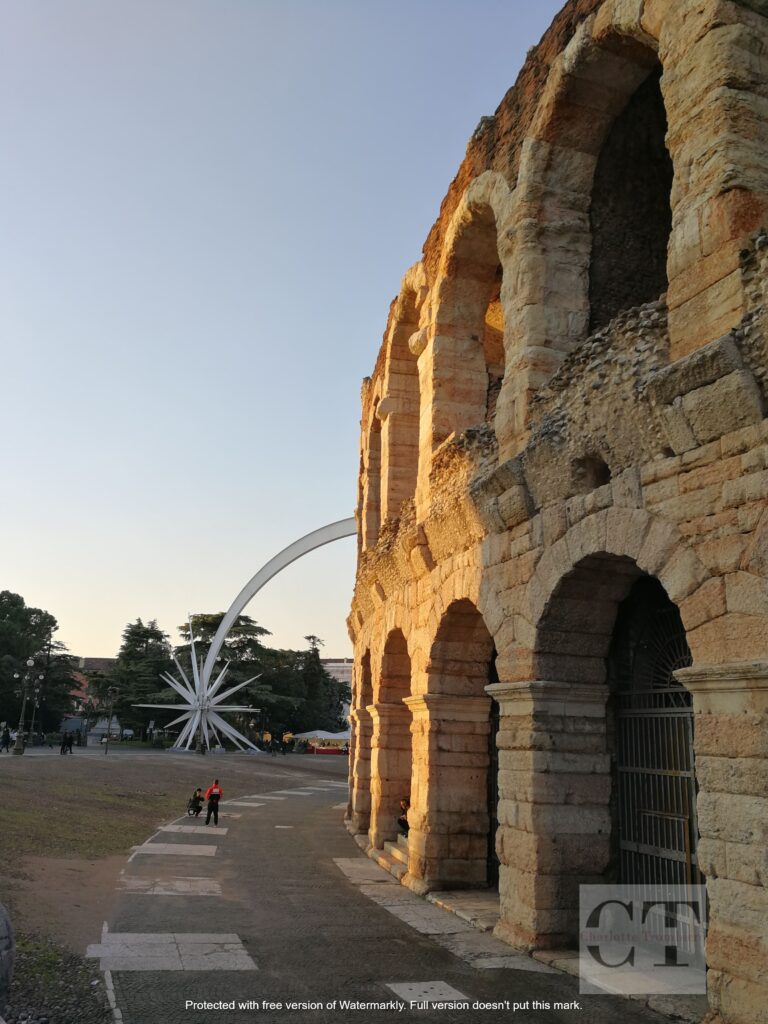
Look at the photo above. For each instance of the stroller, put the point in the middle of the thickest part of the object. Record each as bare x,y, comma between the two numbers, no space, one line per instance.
195,804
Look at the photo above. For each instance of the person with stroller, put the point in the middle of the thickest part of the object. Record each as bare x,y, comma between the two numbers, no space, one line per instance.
195,804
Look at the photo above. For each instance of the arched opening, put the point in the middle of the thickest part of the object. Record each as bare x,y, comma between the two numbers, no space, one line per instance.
604,760
469,347
400,433
372,495
655,834
360,755
630,213
451,821
391,742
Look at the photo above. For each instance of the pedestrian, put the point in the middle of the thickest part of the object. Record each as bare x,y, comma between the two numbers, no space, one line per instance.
213,794
5,742
196,802
70,741
63,748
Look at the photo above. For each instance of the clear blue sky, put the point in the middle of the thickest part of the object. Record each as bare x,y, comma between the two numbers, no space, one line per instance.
206,207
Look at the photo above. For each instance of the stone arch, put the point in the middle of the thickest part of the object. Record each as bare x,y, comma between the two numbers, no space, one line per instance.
371,491
556,822
391,740
605,77
568,195
400,407
468,343
655,546
449,818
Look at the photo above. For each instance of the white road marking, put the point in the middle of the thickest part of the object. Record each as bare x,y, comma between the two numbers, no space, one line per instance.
176,850
427,992
283,826
192,830
137,951
243,803
171,886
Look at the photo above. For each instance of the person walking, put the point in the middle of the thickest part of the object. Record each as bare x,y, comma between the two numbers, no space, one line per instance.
213,794
70,742
63,748
5,742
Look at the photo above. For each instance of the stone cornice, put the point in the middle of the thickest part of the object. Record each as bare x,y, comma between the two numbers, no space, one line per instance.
732,676
441,705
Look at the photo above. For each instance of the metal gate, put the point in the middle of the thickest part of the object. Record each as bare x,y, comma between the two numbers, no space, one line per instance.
655,791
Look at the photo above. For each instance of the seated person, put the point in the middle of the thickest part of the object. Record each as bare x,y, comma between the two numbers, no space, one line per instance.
402,820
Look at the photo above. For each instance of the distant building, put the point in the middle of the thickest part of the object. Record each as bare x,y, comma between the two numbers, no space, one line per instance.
339,668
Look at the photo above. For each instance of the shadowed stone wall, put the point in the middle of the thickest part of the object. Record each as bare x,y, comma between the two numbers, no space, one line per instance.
612,275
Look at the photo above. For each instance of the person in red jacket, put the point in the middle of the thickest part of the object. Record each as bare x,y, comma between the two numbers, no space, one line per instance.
213,794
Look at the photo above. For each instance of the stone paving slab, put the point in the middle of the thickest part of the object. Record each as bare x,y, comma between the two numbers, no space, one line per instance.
176,849
189,886
427,920
359,870
388,894
167,951
480,909
192,829
483,951
427,992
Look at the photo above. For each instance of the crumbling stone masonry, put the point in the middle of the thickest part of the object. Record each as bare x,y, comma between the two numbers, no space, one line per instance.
563,500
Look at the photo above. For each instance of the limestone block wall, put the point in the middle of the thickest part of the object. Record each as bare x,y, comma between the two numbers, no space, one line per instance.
512,495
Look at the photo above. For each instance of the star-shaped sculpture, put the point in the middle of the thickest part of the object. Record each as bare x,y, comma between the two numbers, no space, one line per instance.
204,705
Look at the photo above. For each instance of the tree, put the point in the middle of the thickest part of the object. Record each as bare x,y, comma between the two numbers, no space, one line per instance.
247,656
324,695
144,653
28,633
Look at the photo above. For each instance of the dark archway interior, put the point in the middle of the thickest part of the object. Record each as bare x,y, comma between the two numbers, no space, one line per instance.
366,682
630,214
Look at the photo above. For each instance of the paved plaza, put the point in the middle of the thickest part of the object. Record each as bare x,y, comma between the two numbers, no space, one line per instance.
278,906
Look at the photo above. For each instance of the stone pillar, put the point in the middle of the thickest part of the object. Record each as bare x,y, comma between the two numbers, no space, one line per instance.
554,815
449,816
730,736
390,769
359,817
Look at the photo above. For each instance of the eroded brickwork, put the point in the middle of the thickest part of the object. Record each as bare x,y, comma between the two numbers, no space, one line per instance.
569,404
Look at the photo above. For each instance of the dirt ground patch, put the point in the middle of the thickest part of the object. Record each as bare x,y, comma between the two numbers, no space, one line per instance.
68,822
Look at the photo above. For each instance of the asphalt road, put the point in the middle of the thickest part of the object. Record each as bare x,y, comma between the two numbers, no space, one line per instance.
285,909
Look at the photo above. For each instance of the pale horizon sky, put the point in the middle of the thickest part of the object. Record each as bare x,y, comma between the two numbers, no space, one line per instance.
206,207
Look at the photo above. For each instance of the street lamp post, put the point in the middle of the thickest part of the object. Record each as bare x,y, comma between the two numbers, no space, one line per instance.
18,746
35,706
111,693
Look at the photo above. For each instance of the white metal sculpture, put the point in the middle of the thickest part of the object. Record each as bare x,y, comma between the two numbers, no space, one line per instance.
204,707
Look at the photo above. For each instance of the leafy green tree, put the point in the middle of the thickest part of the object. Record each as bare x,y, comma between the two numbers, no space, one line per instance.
248,657
28,633
144,654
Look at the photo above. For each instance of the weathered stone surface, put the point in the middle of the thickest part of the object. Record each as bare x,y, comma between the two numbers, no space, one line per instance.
731,403
570,397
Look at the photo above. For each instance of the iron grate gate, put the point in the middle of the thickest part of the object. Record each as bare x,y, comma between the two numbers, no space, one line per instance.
654,766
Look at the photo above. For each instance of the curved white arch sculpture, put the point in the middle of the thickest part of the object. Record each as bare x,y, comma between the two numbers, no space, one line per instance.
203,707
316,539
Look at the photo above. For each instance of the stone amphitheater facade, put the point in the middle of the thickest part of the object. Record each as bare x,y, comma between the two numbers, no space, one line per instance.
563,493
